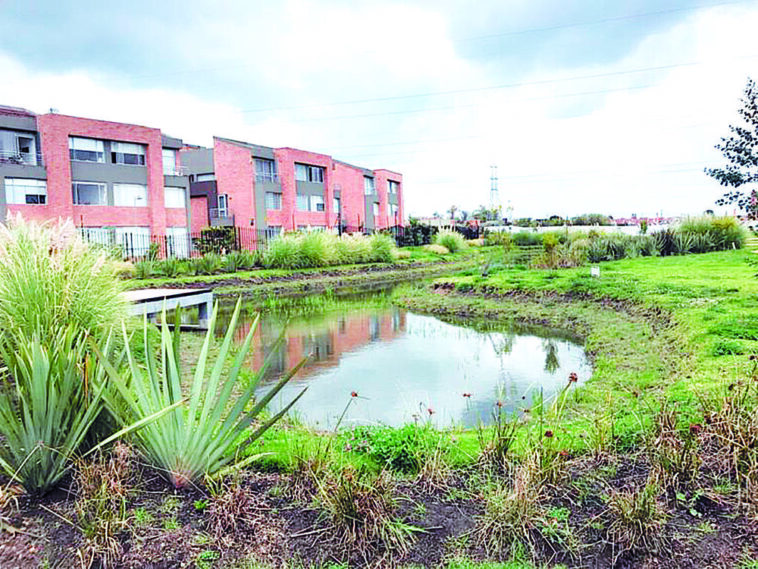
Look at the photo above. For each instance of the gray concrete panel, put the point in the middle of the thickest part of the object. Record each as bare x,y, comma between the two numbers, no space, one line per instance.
109,173
18,123
198,161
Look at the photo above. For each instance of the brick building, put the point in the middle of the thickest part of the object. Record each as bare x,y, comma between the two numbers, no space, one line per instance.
273,189
119,183
132,185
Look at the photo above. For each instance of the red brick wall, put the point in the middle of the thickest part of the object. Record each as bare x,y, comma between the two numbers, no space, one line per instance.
235,177
199,214
289,216
350,181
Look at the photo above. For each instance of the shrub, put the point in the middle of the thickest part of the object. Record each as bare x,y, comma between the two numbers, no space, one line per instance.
239,260
500,238
145,269
527,239
451,240
352,250
436,249
216,240
316,249
283,253
210,432
170,268
208,264
382,248
637,518
402,449
50,278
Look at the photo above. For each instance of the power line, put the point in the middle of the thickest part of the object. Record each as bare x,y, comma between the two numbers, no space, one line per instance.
492,88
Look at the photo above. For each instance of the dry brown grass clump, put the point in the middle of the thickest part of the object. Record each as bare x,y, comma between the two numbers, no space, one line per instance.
437,249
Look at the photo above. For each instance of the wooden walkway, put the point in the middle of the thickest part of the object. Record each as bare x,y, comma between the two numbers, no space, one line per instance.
152,301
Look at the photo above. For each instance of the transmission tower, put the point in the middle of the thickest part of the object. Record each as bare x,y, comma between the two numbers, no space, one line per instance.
494,195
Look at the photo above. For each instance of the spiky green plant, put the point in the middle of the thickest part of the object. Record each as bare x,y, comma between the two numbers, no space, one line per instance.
221,417
51,396
382,248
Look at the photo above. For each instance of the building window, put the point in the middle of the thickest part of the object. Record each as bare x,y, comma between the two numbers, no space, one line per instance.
90,193
134,240
128,153
393,187
18,148
169,162
86,149
393,213
205,177
265,171
368,185
129,195
317,203
22,191
302,202
175,197
376,210
273,200
336,205
306,173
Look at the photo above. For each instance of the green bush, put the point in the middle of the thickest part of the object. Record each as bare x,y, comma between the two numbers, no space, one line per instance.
145,269
321,249
402,449
527,239
170,268
208,264
239,261
382,248
451,240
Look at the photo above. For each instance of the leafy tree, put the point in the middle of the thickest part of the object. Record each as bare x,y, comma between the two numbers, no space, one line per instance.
451,210
741,152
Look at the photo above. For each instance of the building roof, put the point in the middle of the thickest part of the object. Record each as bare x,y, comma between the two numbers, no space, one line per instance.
15,112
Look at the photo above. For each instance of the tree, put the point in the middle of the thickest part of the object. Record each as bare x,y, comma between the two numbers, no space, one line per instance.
451,210
741,153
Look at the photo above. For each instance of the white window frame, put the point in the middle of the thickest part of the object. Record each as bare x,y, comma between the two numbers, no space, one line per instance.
83,144
19,190
103,190
369,186
392,186
208,177
121,149
265,170
168,155
129,195
174,197
315,202
273,201
308,173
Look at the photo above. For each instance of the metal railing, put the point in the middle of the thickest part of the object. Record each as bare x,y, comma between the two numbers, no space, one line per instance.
20,158
267,178
175,171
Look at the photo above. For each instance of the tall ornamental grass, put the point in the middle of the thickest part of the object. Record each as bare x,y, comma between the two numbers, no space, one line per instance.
212,423
451,240
51,278
321,249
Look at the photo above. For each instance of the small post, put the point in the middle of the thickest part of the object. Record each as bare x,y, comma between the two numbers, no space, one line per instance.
203,312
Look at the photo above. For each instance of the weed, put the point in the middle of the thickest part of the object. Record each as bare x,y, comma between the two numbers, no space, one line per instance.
636,518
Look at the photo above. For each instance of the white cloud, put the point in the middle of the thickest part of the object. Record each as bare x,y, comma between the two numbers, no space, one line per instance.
621,150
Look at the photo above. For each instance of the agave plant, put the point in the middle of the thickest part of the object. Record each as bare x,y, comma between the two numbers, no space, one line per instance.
212,430
49,403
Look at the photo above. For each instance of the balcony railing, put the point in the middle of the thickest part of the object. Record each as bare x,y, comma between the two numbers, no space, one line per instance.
267,178
175,171
219,217
20,158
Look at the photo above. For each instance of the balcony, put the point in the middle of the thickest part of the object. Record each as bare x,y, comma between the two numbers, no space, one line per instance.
220,217
20,158
169,170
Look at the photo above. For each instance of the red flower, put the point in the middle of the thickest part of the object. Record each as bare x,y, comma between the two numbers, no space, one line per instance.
549,434
695,428
573,378
468,395
499,404
430,411
564,453
353,394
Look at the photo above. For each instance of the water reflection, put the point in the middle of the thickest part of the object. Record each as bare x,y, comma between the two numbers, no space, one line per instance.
402,364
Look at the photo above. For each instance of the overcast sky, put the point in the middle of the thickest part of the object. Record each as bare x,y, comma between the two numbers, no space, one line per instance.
583,106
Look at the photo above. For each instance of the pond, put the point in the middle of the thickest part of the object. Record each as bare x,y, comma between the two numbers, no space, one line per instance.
406,366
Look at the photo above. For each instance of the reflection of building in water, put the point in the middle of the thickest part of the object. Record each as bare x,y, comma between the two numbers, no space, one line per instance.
324,341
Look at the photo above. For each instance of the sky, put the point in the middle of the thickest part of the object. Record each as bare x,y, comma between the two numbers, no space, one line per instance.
587,106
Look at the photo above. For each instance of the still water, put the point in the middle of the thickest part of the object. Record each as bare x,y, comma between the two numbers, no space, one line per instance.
407,366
